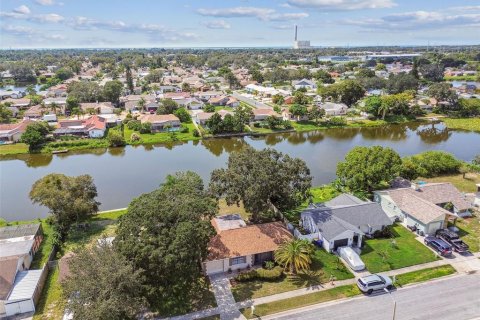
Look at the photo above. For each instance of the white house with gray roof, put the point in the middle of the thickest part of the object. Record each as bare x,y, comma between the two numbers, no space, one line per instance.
344,221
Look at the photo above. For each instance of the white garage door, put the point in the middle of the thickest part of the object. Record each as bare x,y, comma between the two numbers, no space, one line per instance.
215,266
18,307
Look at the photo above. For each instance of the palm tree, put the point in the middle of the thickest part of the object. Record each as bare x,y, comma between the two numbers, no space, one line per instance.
53,107
295,255
141,103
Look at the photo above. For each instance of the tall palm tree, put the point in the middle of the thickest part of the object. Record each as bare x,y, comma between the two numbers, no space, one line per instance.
141,103
295,255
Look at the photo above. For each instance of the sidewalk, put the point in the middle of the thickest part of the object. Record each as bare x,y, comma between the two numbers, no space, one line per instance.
228,308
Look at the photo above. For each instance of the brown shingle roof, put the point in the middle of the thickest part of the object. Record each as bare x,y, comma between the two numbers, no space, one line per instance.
158,118
247,240
8,270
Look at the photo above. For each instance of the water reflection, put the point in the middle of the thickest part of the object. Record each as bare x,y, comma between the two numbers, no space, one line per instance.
434,133
218,146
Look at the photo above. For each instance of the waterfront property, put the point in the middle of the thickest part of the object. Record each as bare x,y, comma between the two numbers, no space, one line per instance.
93,127
343,221
427,207
13,131
161,122
237,246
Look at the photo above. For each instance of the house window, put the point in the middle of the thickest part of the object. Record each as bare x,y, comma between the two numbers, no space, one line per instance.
238,260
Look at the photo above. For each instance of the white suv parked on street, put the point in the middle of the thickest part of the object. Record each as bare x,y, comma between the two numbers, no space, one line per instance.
374,282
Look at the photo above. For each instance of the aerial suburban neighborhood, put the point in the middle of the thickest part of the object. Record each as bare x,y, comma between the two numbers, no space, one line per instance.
187,160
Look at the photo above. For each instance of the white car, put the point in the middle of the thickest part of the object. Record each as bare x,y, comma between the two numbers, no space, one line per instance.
351,258
374,282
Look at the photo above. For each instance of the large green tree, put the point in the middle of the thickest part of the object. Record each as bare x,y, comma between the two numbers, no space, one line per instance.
103,285
165,234
401,82
5,113
367,169
35,134
112,91
262,178
69,199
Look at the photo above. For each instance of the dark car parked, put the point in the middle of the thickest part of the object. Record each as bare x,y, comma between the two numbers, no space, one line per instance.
453,239
442,247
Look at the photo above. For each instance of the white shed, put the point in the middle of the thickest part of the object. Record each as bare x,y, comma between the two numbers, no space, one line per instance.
25,292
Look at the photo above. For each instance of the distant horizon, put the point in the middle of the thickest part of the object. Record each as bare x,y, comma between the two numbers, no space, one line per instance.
244,47
62,24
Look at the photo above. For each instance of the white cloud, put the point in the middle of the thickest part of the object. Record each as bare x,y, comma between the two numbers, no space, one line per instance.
418,20
217,24
18,30
264,14
23,9
45,2
335,5
24,13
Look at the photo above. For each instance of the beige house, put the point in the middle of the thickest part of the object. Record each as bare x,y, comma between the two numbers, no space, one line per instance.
262,114
162,122
238,246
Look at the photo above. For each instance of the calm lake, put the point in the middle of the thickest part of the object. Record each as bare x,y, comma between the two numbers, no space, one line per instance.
121,174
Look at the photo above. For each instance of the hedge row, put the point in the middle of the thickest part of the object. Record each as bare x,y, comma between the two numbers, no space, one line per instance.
261,274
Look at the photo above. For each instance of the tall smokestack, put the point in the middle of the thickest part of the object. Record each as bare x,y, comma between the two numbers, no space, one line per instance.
295,32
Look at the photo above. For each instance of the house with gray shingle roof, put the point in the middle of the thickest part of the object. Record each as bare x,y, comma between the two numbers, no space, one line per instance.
344,221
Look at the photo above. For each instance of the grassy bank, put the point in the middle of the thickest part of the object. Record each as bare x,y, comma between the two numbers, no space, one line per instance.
423,275
469,124
467,184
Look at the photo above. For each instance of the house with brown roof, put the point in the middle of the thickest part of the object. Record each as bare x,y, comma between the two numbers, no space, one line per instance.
202,117
262,114
13,131
238,246
93,127
161,122
429,206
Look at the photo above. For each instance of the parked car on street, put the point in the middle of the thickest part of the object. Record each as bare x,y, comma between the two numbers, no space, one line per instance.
374,282
439,245
453,239
351,258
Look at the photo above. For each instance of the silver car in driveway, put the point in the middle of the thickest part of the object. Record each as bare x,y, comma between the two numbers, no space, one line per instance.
374,282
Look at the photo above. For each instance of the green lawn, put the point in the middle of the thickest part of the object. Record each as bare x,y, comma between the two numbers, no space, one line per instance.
323,266
423,275
161,137
79,144
302,301
108,215
52,303
469,124
467,184
469,231
319,194
460,78
382,255
15,148
218,108
226,209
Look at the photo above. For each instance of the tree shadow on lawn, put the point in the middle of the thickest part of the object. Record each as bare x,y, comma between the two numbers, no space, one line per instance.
307,279
245,290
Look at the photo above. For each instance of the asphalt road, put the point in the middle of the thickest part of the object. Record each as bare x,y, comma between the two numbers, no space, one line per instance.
456,298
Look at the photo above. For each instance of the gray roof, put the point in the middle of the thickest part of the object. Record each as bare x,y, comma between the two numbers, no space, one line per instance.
328,224
16,248
344,199
25,284
19,231
346,212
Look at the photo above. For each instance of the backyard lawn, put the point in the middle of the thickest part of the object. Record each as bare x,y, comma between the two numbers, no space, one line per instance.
466,184
161,137
401,251
319,194
469,231
14,148
323,266
226,209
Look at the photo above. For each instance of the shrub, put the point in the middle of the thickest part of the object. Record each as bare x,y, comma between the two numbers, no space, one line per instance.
196,133
337,121
261,274
184,129
256,124
146,127
434,163
134,137
115,138
269,265
134,125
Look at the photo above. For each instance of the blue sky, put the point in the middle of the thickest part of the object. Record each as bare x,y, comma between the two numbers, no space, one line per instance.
236,23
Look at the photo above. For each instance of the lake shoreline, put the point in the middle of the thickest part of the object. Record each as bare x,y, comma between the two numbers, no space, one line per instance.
9,151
